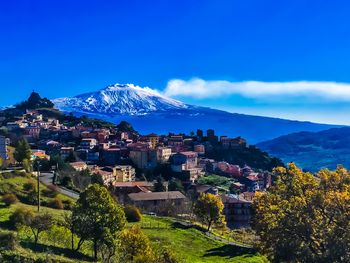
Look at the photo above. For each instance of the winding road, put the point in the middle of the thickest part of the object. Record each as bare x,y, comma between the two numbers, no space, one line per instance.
46,178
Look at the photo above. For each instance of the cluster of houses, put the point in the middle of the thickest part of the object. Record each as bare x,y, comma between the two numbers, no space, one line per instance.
118,155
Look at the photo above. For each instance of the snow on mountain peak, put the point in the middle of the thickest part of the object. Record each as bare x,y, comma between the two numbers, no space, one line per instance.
119,99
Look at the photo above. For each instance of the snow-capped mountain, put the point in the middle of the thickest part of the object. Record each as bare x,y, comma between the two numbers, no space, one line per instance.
119,99
149,111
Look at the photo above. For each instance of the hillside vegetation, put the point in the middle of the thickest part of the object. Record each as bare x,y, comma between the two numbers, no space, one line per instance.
312,151
189,244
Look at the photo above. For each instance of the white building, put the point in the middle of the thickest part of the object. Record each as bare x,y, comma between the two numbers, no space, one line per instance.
163,154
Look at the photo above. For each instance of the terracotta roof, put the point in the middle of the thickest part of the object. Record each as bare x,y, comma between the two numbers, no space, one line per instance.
40,154
253,178
156,196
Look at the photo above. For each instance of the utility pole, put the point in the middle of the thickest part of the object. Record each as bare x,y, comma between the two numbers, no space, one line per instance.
38,174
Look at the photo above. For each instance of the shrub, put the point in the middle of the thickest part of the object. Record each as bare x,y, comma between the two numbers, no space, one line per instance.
29,186
21,173
9,199
8,175
8,240
21,216
132,213
67,182
56,203
7,188
49,193
68,204
31,198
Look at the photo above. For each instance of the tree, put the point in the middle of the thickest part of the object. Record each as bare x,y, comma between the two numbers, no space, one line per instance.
108,246
35,101
135,246
304,218
159,185
68,223
96,212
175,185
124,126
38,224
22,151
208,209
96,178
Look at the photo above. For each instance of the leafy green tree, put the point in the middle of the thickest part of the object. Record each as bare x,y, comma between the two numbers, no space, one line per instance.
304,218
96,212
37,223
22,151
208,209
67,221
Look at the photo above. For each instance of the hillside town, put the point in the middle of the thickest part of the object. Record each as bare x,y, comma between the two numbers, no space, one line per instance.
157,173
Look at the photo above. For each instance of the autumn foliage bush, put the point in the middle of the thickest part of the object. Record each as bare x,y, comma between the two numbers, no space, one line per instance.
9,199
56,203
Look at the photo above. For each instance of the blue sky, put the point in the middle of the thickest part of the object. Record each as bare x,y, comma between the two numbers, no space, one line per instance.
63,48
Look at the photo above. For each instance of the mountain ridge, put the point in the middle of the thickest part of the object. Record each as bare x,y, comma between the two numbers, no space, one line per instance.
312,150
120,99
150,111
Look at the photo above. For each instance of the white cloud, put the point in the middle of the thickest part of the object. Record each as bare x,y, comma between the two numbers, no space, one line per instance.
199,88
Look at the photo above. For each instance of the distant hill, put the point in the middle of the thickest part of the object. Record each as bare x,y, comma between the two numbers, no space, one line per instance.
312,150
149,111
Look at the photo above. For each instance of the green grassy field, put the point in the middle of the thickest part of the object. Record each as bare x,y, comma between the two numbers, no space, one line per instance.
188,243
191,245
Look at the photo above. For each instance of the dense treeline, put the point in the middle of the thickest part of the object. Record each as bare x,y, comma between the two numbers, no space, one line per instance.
251,156
305,218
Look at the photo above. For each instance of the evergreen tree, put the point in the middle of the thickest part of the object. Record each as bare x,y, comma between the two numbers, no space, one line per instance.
22,151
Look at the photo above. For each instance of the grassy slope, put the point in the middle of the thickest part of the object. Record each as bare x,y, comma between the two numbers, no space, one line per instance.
189,244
